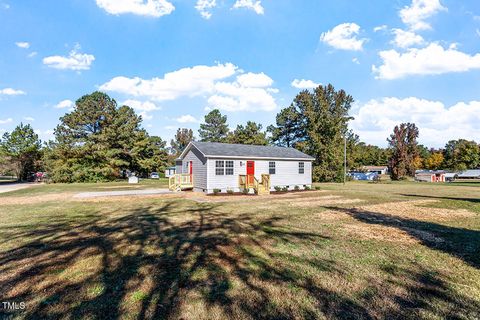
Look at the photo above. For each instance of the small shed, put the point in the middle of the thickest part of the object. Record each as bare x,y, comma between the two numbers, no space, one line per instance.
430,176
376,169
170,172
133,179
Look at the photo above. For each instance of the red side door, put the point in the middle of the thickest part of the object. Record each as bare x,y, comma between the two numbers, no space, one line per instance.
250,171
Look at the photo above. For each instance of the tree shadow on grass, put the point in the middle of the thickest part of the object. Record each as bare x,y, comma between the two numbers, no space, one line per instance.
459,242
154,262
473,200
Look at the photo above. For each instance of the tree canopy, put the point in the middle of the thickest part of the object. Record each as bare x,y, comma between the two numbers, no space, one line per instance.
99,141
181,140
251,133
215,128
21,149
403,145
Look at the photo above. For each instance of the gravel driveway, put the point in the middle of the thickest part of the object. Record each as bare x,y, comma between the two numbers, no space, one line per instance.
7,187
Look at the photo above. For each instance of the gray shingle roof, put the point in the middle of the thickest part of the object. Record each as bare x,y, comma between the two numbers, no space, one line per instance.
216,149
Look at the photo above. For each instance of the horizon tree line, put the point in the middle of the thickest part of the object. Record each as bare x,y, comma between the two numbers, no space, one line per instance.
101,141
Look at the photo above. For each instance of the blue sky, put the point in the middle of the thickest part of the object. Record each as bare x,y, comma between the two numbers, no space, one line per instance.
173,60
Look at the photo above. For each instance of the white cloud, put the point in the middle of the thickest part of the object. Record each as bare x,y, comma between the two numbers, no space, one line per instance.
5,121
187,118
433,59
380,28
191,82
30,119
74,60
32,54
145,115
375,120
152,8
144,107
23,45
254,80
355,60
406,39
248,92
420,10
304,84
11,92
141,106
64,104
344,37
203,7
250,4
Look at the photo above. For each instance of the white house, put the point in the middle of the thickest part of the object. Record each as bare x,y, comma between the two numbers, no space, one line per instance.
206,166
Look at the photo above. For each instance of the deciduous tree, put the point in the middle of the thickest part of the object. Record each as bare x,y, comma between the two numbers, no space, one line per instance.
403,145
21,148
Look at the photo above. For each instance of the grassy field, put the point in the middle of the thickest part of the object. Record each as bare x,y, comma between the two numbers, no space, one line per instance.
360,251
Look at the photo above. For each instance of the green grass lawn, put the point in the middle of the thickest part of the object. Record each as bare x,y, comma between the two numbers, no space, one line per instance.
359,251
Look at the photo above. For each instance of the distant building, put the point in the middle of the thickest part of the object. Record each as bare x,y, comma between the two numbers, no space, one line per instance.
430,176
469,174
170,171
362,176
376,169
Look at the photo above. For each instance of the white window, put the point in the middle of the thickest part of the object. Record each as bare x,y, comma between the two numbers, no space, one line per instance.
271,167
301,167
219,167
229,168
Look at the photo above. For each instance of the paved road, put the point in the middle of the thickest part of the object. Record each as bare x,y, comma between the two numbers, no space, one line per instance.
122,193
7,187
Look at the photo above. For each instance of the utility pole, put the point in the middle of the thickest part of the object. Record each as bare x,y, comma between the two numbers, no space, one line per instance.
344,158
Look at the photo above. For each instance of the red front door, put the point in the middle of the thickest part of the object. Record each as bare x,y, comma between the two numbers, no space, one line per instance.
250,172
191,167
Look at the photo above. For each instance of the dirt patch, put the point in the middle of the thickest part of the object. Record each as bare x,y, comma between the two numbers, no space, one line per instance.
322,201
391,234
416,210
36,199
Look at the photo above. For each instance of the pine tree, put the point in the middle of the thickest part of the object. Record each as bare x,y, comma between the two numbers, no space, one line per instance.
97,142
250,134
215,128
287,130
182,138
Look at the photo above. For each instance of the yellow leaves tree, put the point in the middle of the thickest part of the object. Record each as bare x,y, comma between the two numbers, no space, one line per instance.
434,161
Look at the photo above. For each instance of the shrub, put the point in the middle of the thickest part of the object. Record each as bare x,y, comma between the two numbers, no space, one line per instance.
245,191
285,189
296,188
230,191
307,188
216,191
277,188
317,188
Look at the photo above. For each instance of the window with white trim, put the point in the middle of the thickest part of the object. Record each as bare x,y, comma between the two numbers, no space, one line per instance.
301,167
219,167
229,168
271,167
